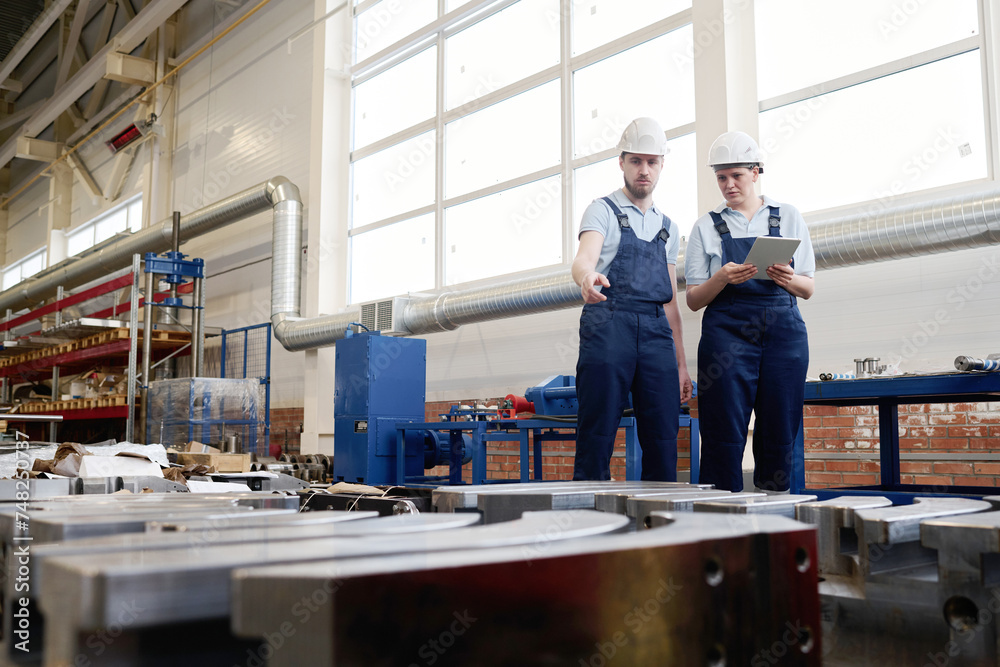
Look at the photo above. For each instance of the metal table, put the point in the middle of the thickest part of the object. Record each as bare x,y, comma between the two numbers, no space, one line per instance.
888,393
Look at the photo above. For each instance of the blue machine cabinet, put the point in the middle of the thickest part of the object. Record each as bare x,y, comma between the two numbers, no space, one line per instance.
378,381
888,393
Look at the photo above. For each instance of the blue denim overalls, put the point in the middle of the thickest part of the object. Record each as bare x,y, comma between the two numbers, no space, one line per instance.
753,355
626,345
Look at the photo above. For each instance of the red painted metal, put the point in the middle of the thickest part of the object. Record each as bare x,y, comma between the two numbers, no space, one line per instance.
72,300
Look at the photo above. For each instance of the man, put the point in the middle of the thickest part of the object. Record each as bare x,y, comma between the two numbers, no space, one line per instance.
630,329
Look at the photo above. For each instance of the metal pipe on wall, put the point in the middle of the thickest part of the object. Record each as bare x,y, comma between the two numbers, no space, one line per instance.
907,231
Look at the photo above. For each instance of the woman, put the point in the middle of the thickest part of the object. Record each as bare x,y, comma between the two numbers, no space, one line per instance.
754,352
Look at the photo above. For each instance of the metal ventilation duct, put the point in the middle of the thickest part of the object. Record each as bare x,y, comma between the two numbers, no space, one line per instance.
950,224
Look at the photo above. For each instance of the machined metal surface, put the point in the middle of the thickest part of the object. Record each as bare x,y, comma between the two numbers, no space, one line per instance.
617,501
85,593
689,593
836,539
783,505
465,498
640,507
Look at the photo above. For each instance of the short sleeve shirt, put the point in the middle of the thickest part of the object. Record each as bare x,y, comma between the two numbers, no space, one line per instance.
599,218
703,253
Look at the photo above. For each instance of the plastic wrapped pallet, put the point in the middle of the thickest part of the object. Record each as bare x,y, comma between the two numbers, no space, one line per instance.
207,410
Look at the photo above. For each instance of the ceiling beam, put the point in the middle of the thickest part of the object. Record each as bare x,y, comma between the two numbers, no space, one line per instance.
72,42
31,37
144,23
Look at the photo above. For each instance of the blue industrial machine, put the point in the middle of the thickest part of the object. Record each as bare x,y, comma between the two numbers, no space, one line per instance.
379,380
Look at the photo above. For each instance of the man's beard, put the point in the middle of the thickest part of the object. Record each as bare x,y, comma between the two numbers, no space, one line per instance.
639,191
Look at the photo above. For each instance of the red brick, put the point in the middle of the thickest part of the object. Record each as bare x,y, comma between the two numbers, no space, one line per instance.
932,479
947,419
855,409
983,443
987,468
927,431
815,465
968,407
838,421
937,407
855,432
950,443
829,477
983,417
870,420
975,481
871,466
925,467
857,479
812,422
912,420
819,410
867,444
995,431
916,407
953,468
821,433
842,466
967,431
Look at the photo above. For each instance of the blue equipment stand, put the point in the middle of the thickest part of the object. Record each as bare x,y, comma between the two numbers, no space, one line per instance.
519,430
888,394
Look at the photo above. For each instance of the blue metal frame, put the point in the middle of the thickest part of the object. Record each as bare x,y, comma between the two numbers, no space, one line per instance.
888,394
242,373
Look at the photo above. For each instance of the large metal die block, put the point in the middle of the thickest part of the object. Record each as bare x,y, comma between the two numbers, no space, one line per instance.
706,590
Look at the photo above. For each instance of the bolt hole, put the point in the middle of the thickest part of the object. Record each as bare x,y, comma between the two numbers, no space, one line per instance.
648,521
806,642
716,657
713,571
802,561
961,613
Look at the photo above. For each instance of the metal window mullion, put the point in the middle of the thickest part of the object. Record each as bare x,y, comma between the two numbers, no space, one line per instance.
364,6
990,60
439,147
625,42
392,140
566,102
872,73
385,222
593,158
505,185
419,36
502,94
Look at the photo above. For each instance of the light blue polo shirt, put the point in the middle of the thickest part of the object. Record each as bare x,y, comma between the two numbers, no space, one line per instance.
599,218
703,253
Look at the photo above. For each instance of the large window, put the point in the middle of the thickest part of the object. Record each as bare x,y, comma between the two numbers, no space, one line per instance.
900,86
23,269
463,147
127,216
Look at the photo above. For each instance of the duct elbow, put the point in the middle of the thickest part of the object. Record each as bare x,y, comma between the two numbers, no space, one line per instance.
281,189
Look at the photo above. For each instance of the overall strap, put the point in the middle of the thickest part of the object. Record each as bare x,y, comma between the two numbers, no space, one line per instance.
773,221
665,230
720,224
622,217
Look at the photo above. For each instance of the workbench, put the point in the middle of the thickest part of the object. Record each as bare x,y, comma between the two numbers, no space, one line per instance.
887,394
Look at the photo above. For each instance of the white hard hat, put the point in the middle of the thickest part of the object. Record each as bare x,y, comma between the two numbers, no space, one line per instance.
645,136
734,149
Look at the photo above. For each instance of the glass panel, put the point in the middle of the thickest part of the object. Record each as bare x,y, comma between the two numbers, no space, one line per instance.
393,181
393,260
601,108
473,68
676,194
513,230
32,265
388,22
135,215
831,39
514,137
597,22
11,276
110,224
883,149
80,240
411,80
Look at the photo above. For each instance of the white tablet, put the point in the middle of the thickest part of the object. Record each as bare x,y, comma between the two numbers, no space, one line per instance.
769,250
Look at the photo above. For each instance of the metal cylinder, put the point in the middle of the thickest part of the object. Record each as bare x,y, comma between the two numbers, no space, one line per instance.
147,354
859,367
197,331
175,237
974,364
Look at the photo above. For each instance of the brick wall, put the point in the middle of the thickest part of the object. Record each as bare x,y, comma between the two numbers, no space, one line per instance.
939,444
286,424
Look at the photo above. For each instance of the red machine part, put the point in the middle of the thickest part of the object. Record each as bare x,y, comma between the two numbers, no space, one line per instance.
519,404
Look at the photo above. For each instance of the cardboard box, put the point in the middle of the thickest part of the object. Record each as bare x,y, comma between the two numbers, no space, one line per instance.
221,462
114,466
196,447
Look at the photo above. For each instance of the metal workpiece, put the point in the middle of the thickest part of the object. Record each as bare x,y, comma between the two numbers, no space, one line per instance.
616,502
135,484
264,518
511,502
836,539
966,546
464,498
664,596
75,526
36,488
640,507
258,481
85,593
783,505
